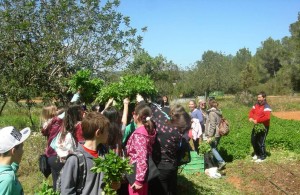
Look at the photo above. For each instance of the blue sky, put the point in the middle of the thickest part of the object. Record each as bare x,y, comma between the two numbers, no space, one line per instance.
182,30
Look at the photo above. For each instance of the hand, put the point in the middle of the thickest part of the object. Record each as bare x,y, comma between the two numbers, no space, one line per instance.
250,119
255,121
136,186
208,140
126,101
139,98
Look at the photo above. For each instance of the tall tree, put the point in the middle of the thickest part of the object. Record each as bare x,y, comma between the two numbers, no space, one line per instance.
269,54
164,73
42,42
212,73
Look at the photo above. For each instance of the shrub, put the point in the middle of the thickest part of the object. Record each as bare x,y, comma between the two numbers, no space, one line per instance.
244,98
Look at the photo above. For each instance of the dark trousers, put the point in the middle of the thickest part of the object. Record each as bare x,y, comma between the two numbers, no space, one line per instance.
56,166
165,184
258,143
196,145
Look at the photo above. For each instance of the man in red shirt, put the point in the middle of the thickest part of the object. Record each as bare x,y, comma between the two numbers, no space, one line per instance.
259,115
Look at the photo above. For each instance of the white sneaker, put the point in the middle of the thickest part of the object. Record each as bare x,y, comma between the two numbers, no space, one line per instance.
259,160
254,157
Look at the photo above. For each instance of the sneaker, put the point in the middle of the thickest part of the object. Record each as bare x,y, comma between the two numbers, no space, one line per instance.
259,160
221,165
254,157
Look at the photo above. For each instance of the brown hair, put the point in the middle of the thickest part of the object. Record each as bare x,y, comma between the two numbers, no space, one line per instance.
92,122
73,115
48,112
213,104
143,111
263,94
180,118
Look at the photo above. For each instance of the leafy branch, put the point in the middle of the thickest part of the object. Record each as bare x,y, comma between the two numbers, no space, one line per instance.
113,167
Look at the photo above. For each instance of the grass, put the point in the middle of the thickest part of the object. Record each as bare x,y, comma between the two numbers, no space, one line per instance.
32,179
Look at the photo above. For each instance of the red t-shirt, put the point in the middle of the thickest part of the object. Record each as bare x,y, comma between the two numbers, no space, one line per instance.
94,153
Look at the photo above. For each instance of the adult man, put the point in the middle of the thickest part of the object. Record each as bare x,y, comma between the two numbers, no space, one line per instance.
259,115
11,151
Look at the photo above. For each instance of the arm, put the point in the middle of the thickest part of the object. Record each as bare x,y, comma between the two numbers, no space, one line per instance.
265,117
109,102
141,161
46,130
199,116
212,124
125,111
251,113
69,176
7,183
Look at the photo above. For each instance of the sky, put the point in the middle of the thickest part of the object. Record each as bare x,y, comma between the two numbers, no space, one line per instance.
182,30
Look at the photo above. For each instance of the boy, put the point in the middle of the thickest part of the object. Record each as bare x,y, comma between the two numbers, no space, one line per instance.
11,151
95,131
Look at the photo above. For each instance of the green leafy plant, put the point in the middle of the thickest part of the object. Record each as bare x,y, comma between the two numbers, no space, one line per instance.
88,86
259,127
204,147
46,190
128,87
114,167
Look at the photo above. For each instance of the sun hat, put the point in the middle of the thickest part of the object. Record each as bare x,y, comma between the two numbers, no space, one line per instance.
11,137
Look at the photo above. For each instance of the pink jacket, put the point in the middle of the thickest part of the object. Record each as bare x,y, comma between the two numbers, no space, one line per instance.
139,146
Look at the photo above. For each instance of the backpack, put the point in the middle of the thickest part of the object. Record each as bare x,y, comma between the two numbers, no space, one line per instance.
184,152
223,127
82,172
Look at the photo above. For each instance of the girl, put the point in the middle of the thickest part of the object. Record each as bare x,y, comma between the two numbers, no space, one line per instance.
51,124
213,136
117,126
139,147
70,134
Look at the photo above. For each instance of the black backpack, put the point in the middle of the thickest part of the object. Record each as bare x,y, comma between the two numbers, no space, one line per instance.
82,172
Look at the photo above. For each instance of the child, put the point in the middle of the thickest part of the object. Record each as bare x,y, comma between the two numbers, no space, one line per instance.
51,124
139,147
11,151
70,134
95,129
117,126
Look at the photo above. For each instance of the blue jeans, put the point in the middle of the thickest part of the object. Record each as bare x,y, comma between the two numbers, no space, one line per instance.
214,150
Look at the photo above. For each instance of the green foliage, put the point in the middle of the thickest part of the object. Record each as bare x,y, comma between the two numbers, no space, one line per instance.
259,127
43,42
244,98
46,190
89,87
164,73
204,147
114,168
128,87
17,115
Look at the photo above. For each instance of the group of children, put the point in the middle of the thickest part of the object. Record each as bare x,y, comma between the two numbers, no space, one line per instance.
151,132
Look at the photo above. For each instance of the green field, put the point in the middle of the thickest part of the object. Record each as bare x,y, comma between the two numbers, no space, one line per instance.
282,144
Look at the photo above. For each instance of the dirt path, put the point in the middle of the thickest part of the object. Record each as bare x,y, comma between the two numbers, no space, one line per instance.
290,115
265,178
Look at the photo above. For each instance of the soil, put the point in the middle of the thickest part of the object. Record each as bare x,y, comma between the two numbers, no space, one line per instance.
265,178
290,115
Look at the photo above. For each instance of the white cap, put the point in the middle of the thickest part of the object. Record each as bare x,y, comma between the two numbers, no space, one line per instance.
10,137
